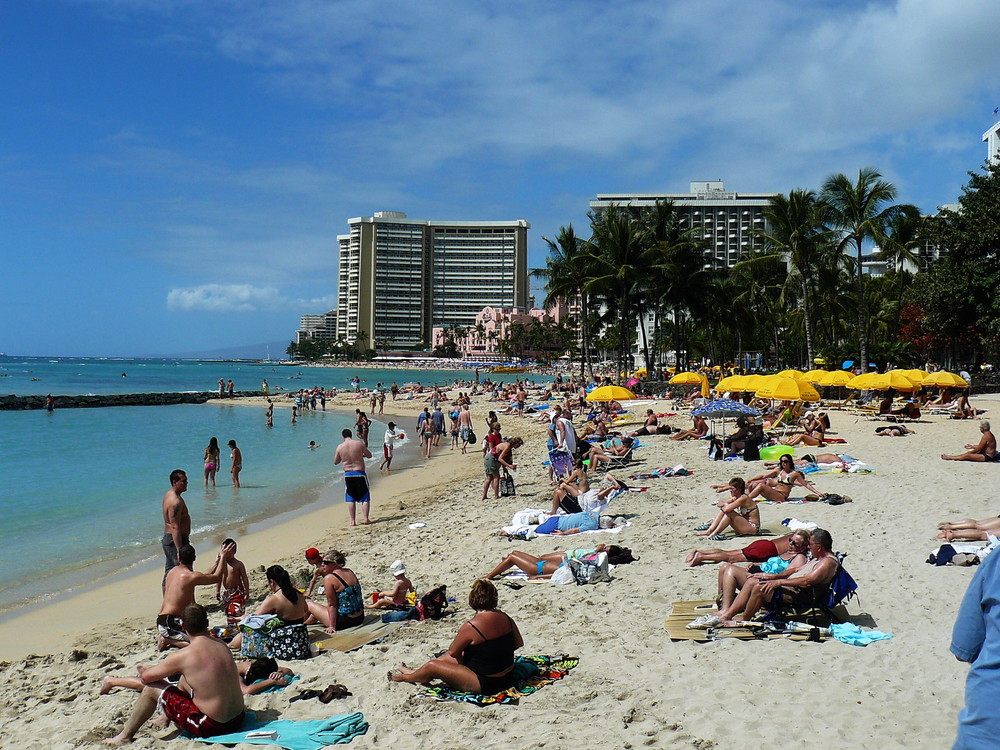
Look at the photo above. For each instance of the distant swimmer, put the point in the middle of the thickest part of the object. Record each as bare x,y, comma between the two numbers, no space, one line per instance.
124,375
237,467
49,403
176,521
312,445
352,454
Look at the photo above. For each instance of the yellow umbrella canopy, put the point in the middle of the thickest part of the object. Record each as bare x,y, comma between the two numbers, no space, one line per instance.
753,382
945,379
862,382
916,375
814,376
686,378
735,383
893,379
796,374
787,389
836,377
610,393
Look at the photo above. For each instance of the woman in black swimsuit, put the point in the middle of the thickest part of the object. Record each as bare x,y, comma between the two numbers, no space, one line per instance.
481,658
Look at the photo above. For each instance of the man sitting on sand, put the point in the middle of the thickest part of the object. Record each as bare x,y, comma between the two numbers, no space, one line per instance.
985,450
207,670
179,593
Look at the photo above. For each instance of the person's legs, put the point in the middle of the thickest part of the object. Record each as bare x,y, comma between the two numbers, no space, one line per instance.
365,508
731,579
351,512
145,707
110,682
517,558
455,675
741,600
320,612
967,456
720,524
742,525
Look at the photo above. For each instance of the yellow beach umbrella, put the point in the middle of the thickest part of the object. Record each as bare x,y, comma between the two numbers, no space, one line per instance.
836,378
787,389
796,374
686,378
893,379
610,393
862,382
814,376
753,382
734,383
945,379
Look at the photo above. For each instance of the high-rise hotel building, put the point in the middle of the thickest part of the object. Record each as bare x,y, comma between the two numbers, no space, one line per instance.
400,277
726,219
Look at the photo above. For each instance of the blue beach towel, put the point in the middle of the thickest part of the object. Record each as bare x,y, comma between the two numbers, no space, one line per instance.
298,735
851,634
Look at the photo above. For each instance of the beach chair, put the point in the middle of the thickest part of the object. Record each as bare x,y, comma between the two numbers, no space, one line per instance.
825,602
842,404
618,462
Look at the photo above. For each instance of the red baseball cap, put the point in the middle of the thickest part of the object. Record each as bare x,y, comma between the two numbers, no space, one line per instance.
313,554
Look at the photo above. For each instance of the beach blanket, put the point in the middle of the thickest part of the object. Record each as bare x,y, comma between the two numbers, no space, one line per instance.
347,640
534,673
666,471
297,735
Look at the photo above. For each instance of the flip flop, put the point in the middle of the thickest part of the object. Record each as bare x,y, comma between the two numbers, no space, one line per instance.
718,538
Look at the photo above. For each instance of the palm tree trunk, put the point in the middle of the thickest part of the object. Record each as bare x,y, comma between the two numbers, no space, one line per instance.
645,345
862,333
807,321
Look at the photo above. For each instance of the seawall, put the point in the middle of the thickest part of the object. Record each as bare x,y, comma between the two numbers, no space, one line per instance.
17,403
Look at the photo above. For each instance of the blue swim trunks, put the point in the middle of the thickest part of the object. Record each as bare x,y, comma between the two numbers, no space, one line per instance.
356,485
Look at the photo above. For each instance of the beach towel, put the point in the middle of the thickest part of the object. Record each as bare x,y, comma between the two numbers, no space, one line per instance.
524,523
297,735
534,673
666,471
851,634
370,630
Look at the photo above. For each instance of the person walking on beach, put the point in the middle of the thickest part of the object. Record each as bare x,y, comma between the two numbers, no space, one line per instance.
237,457
362,423
207,671
464,427
352,454
427,434
176,521
394,390
388,445
422,418
179,592
231,387
263,386
438,418
212,458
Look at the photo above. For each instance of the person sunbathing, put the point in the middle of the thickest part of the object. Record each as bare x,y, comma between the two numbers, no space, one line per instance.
739,512
575,499
598,454
576,523
776,485
650,425
757,552
969,529
794,590
810,459
541,566
481,657
893,430
984,451
734,578
699,430
908,409
814,439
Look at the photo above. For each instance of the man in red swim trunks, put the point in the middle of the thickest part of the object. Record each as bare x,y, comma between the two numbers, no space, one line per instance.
207,671
758,552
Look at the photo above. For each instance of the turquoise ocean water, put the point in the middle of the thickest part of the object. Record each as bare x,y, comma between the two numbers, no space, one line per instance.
82,487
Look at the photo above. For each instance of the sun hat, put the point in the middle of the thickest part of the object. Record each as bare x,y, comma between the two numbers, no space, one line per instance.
397,568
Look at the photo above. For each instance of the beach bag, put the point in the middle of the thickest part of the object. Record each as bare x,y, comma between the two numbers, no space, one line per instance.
472,438
290,642
593,569
256,644
433,604
563,574
507,486
751,452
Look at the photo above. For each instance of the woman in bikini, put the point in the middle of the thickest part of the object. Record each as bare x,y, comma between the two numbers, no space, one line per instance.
212,457
284,601
481,658
740,512
542,566
699,430
776,485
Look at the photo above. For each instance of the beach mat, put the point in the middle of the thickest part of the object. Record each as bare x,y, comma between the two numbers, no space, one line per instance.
547,669
347,640
682,613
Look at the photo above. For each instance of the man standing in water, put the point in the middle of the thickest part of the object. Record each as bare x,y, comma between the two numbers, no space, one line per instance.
352,454
176,521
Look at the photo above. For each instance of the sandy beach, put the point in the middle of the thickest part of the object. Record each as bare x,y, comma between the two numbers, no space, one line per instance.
634,687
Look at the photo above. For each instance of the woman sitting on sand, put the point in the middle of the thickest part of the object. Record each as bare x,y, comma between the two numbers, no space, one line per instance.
481,658
344,606
776,485
284,601
598,454
699,430
740,512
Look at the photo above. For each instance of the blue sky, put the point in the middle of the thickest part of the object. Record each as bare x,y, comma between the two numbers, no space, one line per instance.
173,173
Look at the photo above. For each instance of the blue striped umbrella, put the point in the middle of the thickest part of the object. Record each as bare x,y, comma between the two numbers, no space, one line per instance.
725,408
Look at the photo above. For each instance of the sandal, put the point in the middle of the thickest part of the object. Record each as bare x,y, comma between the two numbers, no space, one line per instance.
333,692
703,527
717,538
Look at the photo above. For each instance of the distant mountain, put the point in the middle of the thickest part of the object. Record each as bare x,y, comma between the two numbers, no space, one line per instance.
276,349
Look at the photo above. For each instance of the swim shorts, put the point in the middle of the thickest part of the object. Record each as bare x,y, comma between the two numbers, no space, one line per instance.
170,626
760,551
181,710
356,486
234,605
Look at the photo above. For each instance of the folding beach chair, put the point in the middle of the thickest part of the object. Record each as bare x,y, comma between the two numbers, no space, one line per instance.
825,600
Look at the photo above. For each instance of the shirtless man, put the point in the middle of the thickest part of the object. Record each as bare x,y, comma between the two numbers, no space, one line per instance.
179,593
176,521
352,454
985,450
464,426
207,671
234,588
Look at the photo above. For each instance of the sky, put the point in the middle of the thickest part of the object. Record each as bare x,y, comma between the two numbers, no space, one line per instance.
174,173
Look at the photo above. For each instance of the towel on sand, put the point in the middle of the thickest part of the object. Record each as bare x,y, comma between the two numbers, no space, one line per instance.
298,735
534,673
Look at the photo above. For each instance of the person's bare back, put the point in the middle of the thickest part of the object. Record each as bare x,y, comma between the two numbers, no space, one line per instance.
352,454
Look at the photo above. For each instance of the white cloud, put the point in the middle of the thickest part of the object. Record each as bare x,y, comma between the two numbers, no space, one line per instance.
241,298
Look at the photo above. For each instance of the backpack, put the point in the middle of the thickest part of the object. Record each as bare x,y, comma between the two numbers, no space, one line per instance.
433,604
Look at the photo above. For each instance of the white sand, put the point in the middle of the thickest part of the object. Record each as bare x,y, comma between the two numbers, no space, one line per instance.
634,687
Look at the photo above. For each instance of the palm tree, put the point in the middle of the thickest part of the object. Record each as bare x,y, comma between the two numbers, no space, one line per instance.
796,235
859,211
904,234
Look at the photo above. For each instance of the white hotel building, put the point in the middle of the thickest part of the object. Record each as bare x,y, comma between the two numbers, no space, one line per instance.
399,277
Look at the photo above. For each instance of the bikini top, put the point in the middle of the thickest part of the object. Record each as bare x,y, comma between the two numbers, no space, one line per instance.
491,656
349,601
787,479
